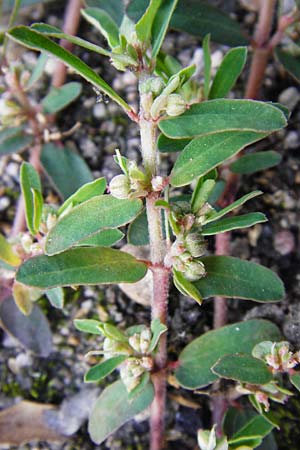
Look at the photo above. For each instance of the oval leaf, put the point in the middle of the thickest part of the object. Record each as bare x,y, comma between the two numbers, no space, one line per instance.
232,277
113,408
103,369
59,98
31,190
7,253
243,368
88,218
206,152
233,223
66,170
13,142
200,355
228,72
105,238
161,24
79,266
221,115
37,41
84,193
255,162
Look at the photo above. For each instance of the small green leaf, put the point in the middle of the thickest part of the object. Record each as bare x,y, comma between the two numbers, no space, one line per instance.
144,25
255,162
30,186
207,152
243,368
114,8
99,265
232,277
84,193
186,287
290,62
256,426
55,297
168,145
295,380
37,41
114,408
201,193
138,230
105,238
66,170
197,358
233,223
33,331
157,329
59,98
228,72
15,143
112,332
7,253
52,31
101,20
8,132
217,215
22,299
37,71
103,369
88,218
207,65
223,115
161,23
88,326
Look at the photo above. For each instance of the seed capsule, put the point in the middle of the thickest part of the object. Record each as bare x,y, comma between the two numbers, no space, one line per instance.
120,186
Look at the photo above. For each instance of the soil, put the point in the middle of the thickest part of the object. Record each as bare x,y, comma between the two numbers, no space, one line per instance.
274,244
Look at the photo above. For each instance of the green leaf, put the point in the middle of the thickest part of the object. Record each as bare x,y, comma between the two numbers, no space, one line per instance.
84,193
161,23
7,253
198,17
234,278
233,223
101,20
37,41
186,287
144,25
255,162
207,152
50,30
243,368
112,332
8,132
257,426
15,143
167,145
232,206
200,355
201,193
105,419
32,331
30,186
67,170
223,115
114,8
59,98
157,329
138,230
207,64
88,218
55,297
295,380
99,265
37,71
103,369
22,298
228,72
8,4
88,326
290,62
105,238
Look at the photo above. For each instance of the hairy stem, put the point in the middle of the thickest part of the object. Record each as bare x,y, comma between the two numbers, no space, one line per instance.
159,303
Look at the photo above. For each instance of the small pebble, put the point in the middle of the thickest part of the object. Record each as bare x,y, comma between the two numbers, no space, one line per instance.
291,140
284,242
4,203
289,97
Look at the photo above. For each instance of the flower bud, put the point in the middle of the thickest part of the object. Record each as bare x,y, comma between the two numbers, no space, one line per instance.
145,339
172,85
26,242
195,244
176,105
120,186
134,342
147,363
112,348
195,270
158,106
157,183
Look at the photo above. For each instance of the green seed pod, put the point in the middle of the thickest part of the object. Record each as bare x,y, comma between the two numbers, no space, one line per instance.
114,348
195,244
158,106
176,105
120,186
195,270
